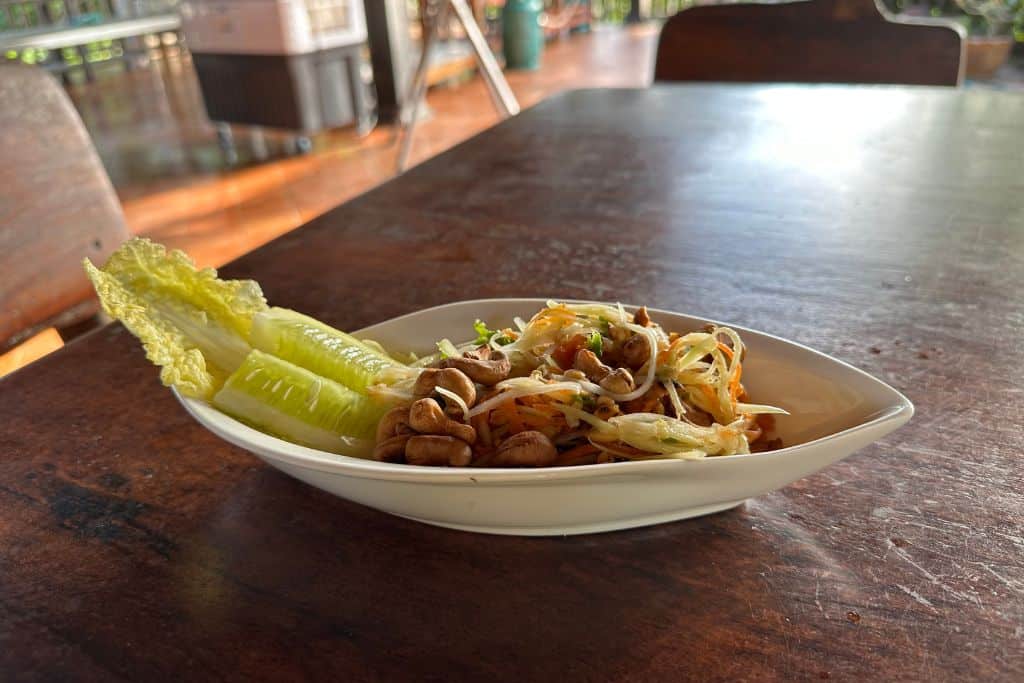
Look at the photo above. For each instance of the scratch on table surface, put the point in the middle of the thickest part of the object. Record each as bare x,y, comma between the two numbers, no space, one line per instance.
882,512
833,480
934,580
1012,584
934,453
1016,540
984,664
918,597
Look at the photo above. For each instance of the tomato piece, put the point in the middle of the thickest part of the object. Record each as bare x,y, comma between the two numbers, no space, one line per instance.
565,353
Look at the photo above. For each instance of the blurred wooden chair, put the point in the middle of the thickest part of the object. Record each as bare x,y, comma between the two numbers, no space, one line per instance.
813,41
56,207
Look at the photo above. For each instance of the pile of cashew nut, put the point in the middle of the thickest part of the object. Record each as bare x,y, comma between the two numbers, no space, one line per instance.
432,431
428,432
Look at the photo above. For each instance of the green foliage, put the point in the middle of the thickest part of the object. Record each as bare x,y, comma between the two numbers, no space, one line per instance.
616,11
979,17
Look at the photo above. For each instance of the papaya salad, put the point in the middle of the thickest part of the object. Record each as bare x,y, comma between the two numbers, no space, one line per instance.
576,384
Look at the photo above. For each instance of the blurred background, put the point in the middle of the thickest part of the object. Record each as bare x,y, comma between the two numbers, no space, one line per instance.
222,124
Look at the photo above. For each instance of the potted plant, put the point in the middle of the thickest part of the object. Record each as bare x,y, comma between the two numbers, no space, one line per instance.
991,25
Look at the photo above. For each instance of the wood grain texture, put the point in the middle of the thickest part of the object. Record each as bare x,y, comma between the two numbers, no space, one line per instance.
56,207
881,225
812,41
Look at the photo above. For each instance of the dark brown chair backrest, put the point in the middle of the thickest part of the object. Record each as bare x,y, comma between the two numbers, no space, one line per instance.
56,207
815,41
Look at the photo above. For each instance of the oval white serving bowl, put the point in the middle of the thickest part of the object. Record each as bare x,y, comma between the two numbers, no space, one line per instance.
836,410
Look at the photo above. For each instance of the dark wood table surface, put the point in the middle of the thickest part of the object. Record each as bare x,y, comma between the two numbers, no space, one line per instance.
883,225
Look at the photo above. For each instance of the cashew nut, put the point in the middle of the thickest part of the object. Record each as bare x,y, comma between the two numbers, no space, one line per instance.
641,317
587,362
526,449
618,333
619,381
395,422
650,402
437,450
479,353
636,351
606,408
391,449
426,417
452,379
487,371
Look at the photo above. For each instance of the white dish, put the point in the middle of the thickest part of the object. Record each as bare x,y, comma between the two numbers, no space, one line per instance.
835,409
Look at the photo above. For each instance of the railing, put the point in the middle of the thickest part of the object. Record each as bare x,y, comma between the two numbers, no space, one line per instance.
606,11
620,11
26,14
66,35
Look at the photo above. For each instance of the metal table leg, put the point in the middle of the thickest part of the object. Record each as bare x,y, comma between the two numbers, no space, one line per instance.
501,94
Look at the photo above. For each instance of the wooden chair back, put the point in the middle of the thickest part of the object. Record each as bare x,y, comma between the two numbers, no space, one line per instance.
813,41
56,206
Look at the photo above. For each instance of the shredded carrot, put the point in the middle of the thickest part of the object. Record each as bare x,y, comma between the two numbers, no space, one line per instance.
546,413
541,402
515,422
547,409
663,354
535,421
535,418
734,383
709,393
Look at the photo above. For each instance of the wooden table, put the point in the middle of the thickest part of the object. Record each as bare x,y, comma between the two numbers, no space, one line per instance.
882,225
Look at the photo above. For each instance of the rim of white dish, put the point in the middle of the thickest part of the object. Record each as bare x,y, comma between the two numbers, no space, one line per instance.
901,410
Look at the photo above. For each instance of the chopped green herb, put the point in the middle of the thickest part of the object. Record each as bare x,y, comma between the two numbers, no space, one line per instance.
483,335
595,343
